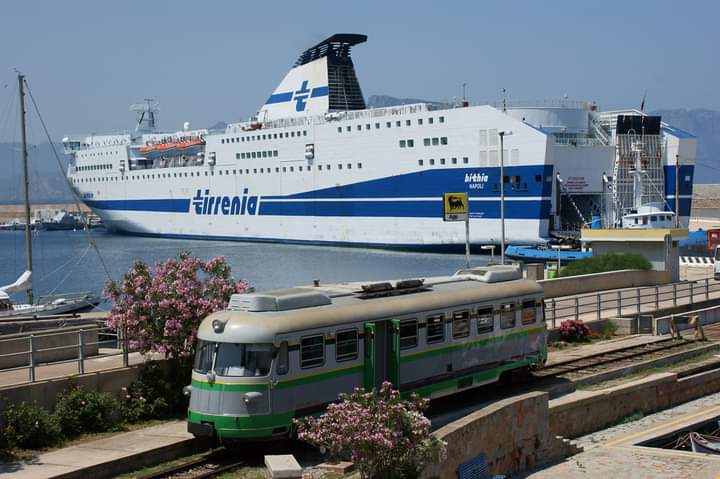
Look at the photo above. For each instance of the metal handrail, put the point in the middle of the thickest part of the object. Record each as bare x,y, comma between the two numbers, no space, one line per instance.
120,340
615,301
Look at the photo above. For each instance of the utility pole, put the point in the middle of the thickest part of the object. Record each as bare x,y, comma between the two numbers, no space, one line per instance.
28,230
502,195
677,191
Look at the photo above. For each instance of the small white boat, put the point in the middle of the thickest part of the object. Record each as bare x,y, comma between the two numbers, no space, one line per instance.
46,305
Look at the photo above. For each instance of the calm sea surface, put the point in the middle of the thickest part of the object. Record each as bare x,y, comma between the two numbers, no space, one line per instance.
63,261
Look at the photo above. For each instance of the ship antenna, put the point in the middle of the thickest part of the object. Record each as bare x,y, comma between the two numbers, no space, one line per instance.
504,100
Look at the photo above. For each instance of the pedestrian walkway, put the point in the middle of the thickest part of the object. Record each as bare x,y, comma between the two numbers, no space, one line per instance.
106,457
614,452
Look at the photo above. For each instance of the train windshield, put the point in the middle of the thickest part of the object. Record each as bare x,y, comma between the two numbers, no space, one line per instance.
233,359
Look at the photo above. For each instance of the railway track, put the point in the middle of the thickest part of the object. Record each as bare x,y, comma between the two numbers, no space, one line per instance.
208,466
577,369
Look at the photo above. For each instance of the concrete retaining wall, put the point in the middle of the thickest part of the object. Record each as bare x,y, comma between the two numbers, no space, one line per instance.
67,339
590,283
586,411
44,393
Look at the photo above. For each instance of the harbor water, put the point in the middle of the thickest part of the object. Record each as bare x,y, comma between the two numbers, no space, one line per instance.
63,261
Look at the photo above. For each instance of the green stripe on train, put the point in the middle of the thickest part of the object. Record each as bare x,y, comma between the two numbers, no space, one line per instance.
230,427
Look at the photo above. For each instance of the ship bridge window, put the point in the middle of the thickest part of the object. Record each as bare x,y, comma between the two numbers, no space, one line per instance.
377,127
275,153
319,167
442,161
454,161
388,125
339,129
408,122
359,165
339,166
420,162
349,166
402,143
443,140
432,161
348,128
367,126
359,127
435,141
410,143
465,160
397,123
408,334
420,121
441,119
430,120
242,360
312,351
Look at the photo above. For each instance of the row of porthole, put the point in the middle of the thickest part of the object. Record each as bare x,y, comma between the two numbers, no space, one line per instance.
265,136
442,161
284,169
388,124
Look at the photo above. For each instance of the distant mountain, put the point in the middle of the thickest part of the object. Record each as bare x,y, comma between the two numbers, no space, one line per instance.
380,101
47,181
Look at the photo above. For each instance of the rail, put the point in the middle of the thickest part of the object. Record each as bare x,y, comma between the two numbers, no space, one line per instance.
595,306
115,344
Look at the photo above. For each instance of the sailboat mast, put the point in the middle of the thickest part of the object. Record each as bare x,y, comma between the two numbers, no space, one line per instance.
28,232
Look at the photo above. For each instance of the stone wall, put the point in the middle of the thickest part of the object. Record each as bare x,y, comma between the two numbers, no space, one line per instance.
586,411
513,434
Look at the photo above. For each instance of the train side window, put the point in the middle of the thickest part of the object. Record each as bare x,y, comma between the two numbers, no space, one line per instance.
435,329
346,345
485,322
283,363
312,351
507,316
461,324
408,333
528,312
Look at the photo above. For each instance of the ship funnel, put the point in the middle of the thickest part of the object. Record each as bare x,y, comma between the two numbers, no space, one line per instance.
322,80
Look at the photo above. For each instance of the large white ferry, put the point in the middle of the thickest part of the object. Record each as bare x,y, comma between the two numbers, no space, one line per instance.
317,166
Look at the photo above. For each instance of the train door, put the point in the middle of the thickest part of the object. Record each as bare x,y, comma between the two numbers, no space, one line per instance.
382,354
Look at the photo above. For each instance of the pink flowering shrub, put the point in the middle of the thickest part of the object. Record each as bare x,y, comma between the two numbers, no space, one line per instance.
574,330
384,435
161,307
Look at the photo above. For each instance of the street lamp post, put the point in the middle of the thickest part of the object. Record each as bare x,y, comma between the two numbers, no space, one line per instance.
559,247
490,247
502,134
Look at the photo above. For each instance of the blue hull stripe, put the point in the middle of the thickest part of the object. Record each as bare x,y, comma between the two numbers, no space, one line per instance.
162,205
403,209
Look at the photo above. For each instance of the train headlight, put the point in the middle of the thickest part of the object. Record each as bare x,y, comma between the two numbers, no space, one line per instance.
218,326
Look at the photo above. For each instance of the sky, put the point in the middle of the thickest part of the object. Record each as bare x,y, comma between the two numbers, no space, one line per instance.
210,61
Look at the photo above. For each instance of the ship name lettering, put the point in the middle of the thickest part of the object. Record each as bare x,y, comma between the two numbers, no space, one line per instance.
206,204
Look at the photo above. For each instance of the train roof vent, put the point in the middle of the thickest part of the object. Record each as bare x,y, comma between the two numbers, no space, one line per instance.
492,274
406,286
278,300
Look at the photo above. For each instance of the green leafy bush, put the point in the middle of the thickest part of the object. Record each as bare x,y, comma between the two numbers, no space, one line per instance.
606,262
79,410
157,393
27,426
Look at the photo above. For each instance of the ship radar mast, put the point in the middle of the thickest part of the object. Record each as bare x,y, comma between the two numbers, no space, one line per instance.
146,115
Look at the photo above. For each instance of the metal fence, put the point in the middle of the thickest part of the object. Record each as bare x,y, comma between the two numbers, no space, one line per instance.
628,301
115,344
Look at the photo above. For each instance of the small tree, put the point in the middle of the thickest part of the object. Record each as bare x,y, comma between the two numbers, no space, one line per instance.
384,435
160,308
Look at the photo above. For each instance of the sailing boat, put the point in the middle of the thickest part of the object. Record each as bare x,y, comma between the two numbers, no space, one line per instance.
47,305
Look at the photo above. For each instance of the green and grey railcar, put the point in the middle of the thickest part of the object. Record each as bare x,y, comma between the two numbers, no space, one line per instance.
277,355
